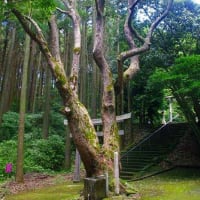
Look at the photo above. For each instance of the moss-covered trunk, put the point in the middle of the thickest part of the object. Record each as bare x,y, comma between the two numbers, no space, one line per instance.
110,129
80,124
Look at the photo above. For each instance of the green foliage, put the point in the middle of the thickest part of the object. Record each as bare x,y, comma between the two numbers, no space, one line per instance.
179,33
147,96
7,155
45,154
57,124
9,127
40,155
33,125
182,77
40,9
186,73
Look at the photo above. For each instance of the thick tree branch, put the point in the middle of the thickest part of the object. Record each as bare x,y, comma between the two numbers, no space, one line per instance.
62,11
132,52
159,19
108,100
67,4
55,47
73,14
135,51
25,24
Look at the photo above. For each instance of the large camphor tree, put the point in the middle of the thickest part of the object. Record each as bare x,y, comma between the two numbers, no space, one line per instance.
97,159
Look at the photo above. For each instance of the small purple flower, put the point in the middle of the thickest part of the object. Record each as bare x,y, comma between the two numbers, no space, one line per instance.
8,168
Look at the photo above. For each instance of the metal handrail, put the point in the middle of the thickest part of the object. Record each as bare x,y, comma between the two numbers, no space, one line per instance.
146,138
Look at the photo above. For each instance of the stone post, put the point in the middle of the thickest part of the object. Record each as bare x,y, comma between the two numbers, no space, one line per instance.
76,177
95,188
116,172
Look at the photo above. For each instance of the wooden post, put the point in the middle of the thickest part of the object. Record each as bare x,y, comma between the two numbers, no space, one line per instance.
76,177
116,172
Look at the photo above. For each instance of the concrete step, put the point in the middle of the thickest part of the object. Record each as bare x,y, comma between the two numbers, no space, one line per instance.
151,151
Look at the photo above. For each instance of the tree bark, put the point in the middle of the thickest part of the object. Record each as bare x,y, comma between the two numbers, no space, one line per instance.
20,145
34,104
80,124
46,104
32,76
4,103
110,129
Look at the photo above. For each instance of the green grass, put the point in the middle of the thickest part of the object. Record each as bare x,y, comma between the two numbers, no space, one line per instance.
64,191
178,184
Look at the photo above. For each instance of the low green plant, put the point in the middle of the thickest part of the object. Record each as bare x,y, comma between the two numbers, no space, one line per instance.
46,153
9,126
7,155
41,155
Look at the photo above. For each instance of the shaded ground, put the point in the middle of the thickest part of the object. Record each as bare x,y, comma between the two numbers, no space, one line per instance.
178,184
61,191
36,180
33,182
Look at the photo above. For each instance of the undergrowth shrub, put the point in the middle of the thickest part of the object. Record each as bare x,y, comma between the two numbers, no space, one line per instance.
41,155
10,122
7,155
9,125
46,153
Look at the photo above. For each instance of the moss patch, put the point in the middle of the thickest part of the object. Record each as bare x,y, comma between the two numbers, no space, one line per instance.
59,75
77,50
65,191
175,185
179,184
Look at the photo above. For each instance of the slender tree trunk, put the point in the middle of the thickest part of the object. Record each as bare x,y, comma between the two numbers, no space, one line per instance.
46,115
68,52
120,96
7,77
67,64
20,145
35,99
3,57
32,76
41,86
84,68
95,98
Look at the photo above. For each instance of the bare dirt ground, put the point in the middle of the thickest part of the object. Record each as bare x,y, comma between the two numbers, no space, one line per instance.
34,181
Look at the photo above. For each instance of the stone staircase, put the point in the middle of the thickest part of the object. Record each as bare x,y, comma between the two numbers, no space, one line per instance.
140,158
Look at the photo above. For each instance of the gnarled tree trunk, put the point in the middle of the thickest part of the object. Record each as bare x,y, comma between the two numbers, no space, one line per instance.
80,124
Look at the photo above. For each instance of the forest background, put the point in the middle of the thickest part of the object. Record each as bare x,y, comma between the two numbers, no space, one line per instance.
170,68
